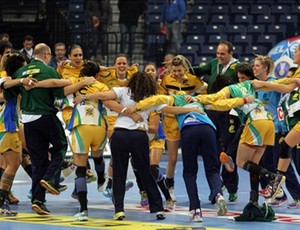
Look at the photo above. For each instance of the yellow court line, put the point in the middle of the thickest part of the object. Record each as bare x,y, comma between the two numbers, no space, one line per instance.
96,223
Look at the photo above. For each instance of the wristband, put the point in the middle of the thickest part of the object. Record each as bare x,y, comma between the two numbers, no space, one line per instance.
245,100
123,110
21,80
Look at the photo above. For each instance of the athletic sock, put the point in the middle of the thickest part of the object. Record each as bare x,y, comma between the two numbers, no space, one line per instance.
100,169
170,182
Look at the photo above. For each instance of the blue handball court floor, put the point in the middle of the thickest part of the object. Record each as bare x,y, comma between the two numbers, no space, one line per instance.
101,211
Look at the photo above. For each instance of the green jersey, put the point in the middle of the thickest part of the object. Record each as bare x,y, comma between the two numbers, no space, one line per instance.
252,111
37,101
291,107
213,69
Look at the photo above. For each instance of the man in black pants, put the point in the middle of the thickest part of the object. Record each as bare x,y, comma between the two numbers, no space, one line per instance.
41,126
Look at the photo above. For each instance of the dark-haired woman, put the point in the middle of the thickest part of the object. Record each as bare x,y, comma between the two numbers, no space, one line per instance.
131,137
69,69
88,131
10,143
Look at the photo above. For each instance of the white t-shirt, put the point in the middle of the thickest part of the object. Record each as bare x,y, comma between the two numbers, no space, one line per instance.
124,94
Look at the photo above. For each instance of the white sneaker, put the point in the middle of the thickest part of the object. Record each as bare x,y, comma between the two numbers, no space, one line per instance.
221,203
81,216
172,193
101,187
196,215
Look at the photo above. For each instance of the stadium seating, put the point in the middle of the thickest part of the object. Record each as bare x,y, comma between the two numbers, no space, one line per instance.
255,30
215,29
221,9
259,9
232,30
239,9
195,40
208,50
255,49
252,26
214,39
279,30
280,9
243,19
265,19
267,40
242,39
222,19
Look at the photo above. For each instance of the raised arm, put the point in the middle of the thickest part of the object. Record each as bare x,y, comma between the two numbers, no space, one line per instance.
52,83
152,101
73,88
106,95
69,88
8,83
273,86
230,103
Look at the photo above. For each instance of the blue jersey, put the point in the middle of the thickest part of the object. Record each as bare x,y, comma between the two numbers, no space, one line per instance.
191,118
9,119
270,101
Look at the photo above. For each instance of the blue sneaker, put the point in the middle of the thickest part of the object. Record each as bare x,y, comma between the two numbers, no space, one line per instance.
107,193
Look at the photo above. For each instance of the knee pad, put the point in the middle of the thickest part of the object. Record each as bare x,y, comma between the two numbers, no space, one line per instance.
285,151
80,171
156,172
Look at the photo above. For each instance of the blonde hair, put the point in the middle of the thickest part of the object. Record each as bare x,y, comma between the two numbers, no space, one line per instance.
266,61
182,60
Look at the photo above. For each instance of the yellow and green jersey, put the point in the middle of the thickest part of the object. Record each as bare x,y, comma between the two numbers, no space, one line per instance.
88,112
69,71
109,77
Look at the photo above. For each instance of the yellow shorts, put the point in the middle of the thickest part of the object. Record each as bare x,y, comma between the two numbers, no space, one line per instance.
170,127
84,137
110,120
10,141
67,114
157,144
258,133
297,127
